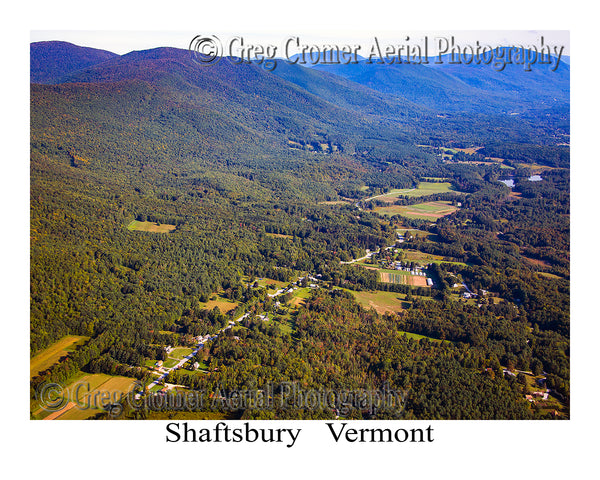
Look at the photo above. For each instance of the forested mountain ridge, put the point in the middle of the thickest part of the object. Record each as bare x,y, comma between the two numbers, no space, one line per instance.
51,61
447,86
238,117
158,186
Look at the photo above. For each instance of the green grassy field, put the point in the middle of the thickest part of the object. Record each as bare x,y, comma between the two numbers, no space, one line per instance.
202,365
180,352
366,265
286,327
419,257
423,189
429,188
549,275
265,282
299,296
445,149
49,356
416,336
422,211
150,363
170,362
224,304
423,258
416,233
279,235
334,202
156,388
382,302
150,227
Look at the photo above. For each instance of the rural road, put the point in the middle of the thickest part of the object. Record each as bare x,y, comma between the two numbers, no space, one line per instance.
368,255
200,344
185,359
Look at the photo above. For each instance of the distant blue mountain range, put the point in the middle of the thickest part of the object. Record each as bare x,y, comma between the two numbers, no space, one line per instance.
370,87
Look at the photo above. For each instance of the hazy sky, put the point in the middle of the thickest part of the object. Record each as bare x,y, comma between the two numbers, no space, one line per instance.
126,41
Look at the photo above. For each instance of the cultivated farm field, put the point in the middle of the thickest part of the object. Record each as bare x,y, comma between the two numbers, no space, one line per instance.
402,278
86,394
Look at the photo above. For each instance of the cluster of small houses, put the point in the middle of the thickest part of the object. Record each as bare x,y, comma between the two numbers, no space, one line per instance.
400,266
159,365
465,294
417,270
168,349
413,271
200,340
539,395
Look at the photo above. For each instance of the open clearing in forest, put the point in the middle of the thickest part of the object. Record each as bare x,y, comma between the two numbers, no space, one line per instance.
150,227
299,296
419,257
416,336
49,356
549,275
423,258
223,304
417,234
423,189
536,261
334,202
537,169
180,352
382,302
423,211
469,151
278,235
